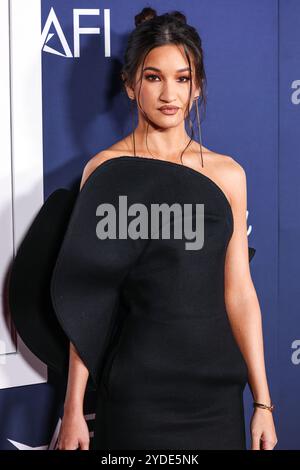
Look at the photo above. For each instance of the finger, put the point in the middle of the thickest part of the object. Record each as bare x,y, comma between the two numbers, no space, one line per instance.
255,442
84,445
267,445
67,446
70,448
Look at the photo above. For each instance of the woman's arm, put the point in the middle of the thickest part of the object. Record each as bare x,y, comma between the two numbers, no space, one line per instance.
77,380
243,308
74,431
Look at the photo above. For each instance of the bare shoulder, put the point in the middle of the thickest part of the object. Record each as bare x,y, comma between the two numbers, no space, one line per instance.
233,177
95,161
228,173
231,169
236,177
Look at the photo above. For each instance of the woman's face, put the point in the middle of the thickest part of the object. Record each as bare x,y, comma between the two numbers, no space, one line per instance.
165,81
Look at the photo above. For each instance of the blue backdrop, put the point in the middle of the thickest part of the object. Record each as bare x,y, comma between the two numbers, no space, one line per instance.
252,59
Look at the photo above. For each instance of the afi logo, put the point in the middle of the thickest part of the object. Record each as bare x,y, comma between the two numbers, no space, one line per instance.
77,32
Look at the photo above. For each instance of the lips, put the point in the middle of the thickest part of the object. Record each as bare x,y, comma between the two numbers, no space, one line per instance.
169,109
163,108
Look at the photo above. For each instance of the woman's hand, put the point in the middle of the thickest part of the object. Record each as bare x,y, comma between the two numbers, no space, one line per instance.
262,427
74,432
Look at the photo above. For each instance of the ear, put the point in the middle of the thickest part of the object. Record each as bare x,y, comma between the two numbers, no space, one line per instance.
197,93
129,90
197,89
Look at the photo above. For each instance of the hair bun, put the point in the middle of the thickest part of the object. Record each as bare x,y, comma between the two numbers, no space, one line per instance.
146,14
180,16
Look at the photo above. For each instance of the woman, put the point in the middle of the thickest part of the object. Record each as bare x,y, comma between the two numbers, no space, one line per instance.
191,335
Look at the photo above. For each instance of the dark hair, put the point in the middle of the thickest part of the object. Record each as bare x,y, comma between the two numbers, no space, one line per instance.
154,30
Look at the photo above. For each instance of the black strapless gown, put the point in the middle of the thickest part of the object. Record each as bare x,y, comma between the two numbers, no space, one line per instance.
148,316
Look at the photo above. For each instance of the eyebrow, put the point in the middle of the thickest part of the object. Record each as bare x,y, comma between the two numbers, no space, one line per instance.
158,70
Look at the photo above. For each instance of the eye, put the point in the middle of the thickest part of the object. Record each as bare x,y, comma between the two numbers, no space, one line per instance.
150,76
186,79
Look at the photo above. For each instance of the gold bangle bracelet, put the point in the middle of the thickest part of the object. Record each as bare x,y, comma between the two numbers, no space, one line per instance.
262,405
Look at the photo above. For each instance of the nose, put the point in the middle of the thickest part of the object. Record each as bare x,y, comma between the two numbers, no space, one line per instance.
168,93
